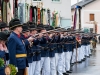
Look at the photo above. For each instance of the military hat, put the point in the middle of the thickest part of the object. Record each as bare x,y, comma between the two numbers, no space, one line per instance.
30,23
25,28
57,27
40,27
33,27
47,27
50,28
3,36
25,24
14,23
3,25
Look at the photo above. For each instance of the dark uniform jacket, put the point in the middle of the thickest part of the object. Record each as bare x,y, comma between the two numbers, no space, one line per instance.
28,49
59,45
52,47
37,50
17,46
43,43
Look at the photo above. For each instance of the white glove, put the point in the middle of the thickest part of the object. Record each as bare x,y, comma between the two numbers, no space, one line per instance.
17,69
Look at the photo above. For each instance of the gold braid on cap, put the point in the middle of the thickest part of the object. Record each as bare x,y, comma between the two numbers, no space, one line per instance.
16,25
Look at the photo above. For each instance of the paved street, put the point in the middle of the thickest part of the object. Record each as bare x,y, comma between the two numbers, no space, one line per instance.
90,67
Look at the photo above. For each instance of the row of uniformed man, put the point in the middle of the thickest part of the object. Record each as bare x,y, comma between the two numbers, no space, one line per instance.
44,53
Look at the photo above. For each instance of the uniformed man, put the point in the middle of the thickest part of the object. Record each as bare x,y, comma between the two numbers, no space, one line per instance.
35,49
24,36
84,44
52,47
59,53
3,50
74,50
82,48
64,45
89,39
45,60
69,50
4,27
87,46
16,47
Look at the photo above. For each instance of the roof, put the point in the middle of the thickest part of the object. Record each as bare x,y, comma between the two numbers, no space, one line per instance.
82,3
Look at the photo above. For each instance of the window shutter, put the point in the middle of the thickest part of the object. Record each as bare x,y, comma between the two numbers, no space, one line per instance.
91,17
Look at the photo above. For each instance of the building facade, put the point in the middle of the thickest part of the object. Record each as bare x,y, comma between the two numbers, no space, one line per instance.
90,15
61,6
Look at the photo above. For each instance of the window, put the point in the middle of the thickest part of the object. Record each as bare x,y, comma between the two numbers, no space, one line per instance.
91,17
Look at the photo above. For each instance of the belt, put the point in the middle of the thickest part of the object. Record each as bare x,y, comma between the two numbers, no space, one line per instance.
21,55
31,54
54,43
69,43
51,49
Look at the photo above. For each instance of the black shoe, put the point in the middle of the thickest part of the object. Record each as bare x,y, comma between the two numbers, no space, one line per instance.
84,59
79,62
72,64
90,54
69,71
65,74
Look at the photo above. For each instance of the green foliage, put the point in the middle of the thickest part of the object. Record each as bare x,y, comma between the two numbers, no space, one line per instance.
1,62
13,69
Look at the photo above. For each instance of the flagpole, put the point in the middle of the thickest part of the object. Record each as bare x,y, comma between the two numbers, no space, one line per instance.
78,15
76,38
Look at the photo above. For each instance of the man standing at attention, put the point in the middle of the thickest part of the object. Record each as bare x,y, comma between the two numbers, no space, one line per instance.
16,47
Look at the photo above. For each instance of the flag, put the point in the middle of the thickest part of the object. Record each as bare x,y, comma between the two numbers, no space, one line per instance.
76,18
9,14
44,18
57,19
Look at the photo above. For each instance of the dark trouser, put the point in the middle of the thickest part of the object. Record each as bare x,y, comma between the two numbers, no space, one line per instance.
2,72
20,72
